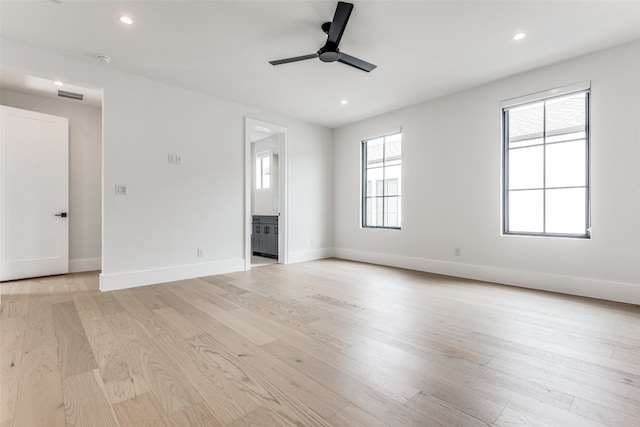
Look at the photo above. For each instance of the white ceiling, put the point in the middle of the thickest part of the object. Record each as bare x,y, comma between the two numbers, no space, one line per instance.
423,49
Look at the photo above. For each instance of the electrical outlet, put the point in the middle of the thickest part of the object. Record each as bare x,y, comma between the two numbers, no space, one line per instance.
457,252
200,253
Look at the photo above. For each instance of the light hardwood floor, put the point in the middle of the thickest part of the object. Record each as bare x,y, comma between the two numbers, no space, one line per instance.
315,344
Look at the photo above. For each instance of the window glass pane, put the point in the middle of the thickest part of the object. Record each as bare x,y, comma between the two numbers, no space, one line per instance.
393,147
391,214
374,175
566,114
527,142
526,168
566,164
393,162
368,213
393,173
391,187
375,151
565,211
526,123
369,188
379,188
526,211
379,211
566,137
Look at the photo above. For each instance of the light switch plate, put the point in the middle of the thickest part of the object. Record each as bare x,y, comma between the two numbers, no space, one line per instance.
121,190
174,159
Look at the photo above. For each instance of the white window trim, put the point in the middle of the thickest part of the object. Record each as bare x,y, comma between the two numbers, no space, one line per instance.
551,93
508,104
363,168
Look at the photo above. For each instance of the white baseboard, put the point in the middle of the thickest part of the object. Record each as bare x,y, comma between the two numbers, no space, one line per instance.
132,279
309,255
84,264
581,286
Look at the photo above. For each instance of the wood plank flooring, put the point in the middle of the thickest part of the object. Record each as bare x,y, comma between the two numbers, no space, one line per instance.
324,343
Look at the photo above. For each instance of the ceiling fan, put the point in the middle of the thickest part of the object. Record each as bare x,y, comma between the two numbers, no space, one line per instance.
330,52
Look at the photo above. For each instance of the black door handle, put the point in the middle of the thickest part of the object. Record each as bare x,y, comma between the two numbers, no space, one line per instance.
62,214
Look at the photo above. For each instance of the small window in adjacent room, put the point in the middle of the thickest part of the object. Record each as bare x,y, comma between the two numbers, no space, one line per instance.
382,182
546,164
263,171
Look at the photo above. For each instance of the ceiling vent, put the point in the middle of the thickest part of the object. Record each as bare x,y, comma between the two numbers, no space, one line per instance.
70,95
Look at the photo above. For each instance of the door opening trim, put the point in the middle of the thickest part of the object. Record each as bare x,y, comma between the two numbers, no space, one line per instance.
252,125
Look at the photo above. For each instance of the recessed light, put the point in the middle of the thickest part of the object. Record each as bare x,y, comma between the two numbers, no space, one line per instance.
126,20
344,102
519,36
58,83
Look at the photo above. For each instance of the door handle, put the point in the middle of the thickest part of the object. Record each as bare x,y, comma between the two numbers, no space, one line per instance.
62,215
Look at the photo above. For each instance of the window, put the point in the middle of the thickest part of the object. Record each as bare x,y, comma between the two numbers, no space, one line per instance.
546,165
382,181
263,171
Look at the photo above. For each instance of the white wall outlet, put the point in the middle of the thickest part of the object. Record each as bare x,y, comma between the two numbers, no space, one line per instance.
178,159
457,252
200,253
121,190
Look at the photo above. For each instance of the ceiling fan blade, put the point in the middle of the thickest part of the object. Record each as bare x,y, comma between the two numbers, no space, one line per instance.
294,59
355,62
339,23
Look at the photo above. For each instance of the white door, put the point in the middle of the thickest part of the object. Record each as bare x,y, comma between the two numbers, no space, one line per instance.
34,194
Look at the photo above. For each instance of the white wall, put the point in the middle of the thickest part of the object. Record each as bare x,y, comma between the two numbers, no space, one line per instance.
152,234
452,186
85,173
309,166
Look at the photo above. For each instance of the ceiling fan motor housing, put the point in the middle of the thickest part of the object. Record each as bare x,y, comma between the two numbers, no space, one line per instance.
329,55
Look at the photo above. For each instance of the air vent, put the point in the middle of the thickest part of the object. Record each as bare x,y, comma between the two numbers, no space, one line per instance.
71,95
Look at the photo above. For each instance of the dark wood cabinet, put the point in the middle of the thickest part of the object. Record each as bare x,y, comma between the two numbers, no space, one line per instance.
264,237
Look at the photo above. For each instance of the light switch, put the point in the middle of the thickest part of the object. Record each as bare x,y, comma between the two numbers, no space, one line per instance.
121,190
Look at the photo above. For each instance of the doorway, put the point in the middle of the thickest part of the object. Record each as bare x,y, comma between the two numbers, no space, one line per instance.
265,193
34,194
83,184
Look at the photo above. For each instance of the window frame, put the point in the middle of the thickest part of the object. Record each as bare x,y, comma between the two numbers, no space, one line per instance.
363,186
546,96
